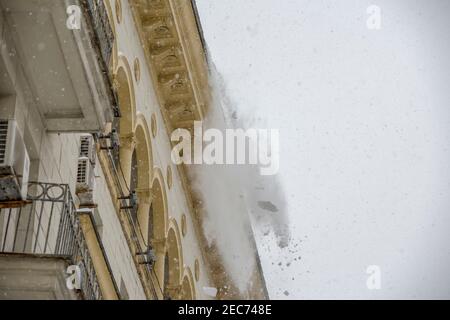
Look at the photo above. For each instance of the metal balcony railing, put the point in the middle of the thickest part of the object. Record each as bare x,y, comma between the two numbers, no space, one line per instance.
103,39
102,28
49,225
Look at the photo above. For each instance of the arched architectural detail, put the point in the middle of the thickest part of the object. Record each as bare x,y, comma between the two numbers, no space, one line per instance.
119,14
123,83
173,263
160,221
160,205
173,227
143,137
113,63
142,158
187,286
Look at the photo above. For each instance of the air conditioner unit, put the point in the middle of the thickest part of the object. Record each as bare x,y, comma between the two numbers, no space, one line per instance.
85,175
87,147
85,171
14,163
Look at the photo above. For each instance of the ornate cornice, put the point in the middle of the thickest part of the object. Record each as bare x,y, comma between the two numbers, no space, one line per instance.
172,44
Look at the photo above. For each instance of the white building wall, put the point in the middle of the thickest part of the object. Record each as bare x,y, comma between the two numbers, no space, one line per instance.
129,45
114,241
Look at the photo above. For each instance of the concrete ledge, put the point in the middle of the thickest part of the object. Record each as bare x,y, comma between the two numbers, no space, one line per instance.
34,277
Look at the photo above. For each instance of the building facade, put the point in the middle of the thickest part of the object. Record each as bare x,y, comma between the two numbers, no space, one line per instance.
91,204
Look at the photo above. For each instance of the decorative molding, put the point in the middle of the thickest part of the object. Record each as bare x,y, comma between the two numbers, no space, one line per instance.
177,78
128,141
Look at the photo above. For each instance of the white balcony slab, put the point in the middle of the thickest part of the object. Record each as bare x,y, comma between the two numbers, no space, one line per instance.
62,66
33,277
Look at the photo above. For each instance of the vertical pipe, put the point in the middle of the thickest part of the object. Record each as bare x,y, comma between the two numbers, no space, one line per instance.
6,231
17,228
48,227
38,227
60,229
33,207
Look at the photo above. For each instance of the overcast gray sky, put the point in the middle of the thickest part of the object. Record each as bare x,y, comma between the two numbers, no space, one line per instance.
365,126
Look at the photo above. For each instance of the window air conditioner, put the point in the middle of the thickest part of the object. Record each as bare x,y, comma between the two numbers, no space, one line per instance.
87,147
85,175
85,171
86,164
14,163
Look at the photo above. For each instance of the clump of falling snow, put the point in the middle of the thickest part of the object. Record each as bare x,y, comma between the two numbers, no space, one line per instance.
210,292
236,198
264,195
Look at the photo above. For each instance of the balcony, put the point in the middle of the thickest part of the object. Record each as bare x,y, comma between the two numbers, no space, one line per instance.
39,241
64,54
99,21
